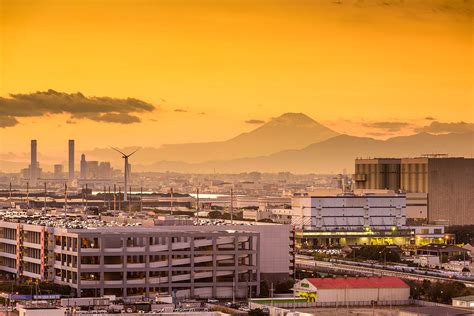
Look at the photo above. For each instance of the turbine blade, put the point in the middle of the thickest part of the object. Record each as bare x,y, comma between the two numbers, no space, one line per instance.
117,150
133,152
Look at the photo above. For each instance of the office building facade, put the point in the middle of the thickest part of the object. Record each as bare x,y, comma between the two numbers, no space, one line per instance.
446,184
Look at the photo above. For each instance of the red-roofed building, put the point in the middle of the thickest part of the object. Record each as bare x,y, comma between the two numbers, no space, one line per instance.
363,290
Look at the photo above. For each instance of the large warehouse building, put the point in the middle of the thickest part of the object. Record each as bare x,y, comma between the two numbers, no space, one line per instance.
349,219
363,290
97,258
448,184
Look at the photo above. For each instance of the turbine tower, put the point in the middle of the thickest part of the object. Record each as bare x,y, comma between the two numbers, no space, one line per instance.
125,170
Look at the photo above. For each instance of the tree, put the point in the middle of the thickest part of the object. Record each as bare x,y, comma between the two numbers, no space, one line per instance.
264,289
257,312
284,286
214,214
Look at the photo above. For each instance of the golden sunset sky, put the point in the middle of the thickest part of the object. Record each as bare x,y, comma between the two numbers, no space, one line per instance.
209,66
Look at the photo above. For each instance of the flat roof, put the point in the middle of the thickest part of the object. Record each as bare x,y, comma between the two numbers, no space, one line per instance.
469,298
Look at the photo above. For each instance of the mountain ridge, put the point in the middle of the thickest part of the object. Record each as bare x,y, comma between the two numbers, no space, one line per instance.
332,155
287,131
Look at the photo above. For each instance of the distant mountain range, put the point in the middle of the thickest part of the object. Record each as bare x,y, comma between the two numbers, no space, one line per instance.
331,155
291,142
288,131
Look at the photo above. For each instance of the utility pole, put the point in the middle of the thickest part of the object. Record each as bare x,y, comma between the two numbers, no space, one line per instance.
65,200
172,200
130,199
86,195
10,194
45,192
197,202
105,196
83,199
27,195
120,198
115,197
231,206
141,199
108,200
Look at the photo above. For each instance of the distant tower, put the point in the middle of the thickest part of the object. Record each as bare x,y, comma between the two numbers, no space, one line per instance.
83,167
58,171
71,159
34,162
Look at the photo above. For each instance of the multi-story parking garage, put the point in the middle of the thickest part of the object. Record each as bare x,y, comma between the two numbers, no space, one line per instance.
129,261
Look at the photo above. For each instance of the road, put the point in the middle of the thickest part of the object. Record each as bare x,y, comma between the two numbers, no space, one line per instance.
311,264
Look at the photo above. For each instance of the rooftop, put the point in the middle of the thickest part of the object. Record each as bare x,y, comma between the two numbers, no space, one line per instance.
469,298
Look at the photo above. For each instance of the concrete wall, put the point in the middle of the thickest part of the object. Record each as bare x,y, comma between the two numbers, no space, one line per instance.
451,190
355,295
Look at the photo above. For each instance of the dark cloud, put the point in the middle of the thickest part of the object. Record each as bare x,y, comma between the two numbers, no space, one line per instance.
70,122
253,121
180,110
388,126
430,118
453,127
100,109
7,121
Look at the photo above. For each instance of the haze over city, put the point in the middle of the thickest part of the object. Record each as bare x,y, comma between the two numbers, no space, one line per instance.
236,157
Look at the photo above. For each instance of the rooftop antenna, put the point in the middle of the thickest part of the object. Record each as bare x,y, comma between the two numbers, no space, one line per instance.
10,193
125,170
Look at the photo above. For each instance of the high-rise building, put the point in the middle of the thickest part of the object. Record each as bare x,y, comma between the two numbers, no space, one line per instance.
105,170
58,171
34,162
71,159
446,183
378,173
92,168
83,167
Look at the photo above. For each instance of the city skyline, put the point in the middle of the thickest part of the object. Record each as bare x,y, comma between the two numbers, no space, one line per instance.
360,68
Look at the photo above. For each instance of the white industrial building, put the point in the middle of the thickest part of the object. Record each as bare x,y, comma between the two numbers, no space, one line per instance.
353,212
354,290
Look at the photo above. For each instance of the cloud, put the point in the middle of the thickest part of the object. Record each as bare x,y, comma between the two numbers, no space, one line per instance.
100,109
430,118
388,126
253,121
7,121
452,127
180,110
202,113
378,134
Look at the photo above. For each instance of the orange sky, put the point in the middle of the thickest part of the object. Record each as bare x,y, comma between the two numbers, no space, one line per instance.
343,64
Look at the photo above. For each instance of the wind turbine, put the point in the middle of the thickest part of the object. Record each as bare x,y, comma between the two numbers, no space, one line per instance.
125,170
